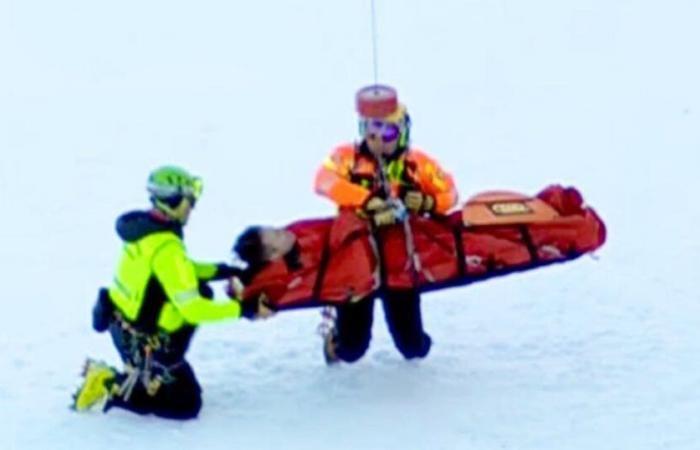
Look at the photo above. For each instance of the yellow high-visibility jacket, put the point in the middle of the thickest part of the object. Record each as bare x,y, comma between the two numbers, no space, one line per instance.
156,285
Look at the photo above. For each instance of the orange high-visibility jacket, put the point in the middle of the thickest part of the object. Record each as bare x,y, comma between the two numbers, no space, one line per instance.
350,176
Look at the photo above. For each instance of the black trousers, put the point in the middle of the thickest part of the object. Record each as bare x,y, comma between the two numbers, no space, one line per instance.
179,395
403,317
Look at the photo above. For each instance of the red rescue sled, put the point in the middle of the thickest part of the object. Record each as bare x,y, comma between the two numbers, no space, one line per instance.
496,233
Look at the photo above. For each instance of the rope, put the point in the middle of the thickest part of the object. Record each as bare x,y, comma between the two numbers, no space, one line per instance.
414,263
375,65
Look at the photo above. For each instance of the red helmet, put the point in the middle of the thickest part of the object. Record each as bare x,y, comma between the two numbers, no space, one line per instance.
376,101
381,102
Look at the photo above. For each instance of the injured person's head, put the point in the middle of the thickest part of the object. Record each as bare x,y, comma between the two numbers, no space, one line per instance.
259,245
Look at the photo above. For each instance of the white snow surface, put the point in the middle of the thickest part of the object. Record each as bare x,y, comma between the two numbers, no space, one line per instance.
595,354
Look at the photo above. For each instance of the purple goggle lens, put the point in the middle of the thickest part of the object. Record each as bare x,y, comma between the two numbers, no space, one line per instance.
388,131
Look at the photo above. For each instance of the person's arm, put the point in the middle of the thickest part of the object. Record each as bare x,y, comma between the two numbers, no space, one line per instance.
435,182
333,180
178,276
215,271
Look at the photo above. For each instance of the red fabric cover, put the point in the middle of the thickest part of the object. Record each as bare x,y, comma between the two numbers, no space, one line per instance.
352,268
491,249
434,243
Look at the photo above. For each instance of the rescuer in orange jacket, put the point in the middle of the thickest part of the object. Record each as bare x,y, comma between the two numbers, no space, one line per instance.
377,177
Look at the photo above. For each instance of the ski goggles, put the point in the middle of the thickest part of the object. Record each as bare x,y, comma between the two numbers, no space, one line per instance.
194,190
173,195
387,131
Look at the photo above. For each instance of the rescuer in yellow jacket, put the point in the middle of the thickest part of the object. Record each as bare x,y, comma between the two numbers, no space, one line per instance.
157,298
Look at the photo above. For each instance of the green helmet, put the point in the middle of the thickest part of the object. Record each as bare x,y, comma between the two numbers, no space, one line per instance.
173,183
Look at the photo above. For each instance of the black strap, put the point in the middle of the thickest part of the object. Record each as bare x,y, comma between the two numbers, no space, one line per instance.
527,240
375,233
459,246
323,265
153,301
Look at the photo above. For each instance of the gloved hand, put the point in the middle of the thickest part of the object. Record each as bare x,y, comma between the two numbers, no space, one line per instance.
379,211
375,204
205,290
264,308
224,271
384,218
417,201
257,309
235,287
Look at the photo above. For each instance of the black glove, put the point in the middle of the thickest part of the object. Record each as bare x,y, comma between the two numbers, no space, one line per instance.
205,290
224,272
249,309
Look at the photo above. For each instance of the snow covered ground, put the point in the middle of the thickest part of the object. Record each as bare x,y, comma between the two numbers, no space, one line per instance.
595,354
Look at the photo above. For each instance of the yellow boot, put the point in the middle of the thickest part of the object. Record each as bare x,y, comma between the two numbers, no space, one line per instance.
97,388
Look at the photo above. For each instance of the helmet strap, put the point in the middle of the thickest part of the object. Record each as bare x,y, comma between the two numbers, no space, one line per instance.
164,208
362,127
405,132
